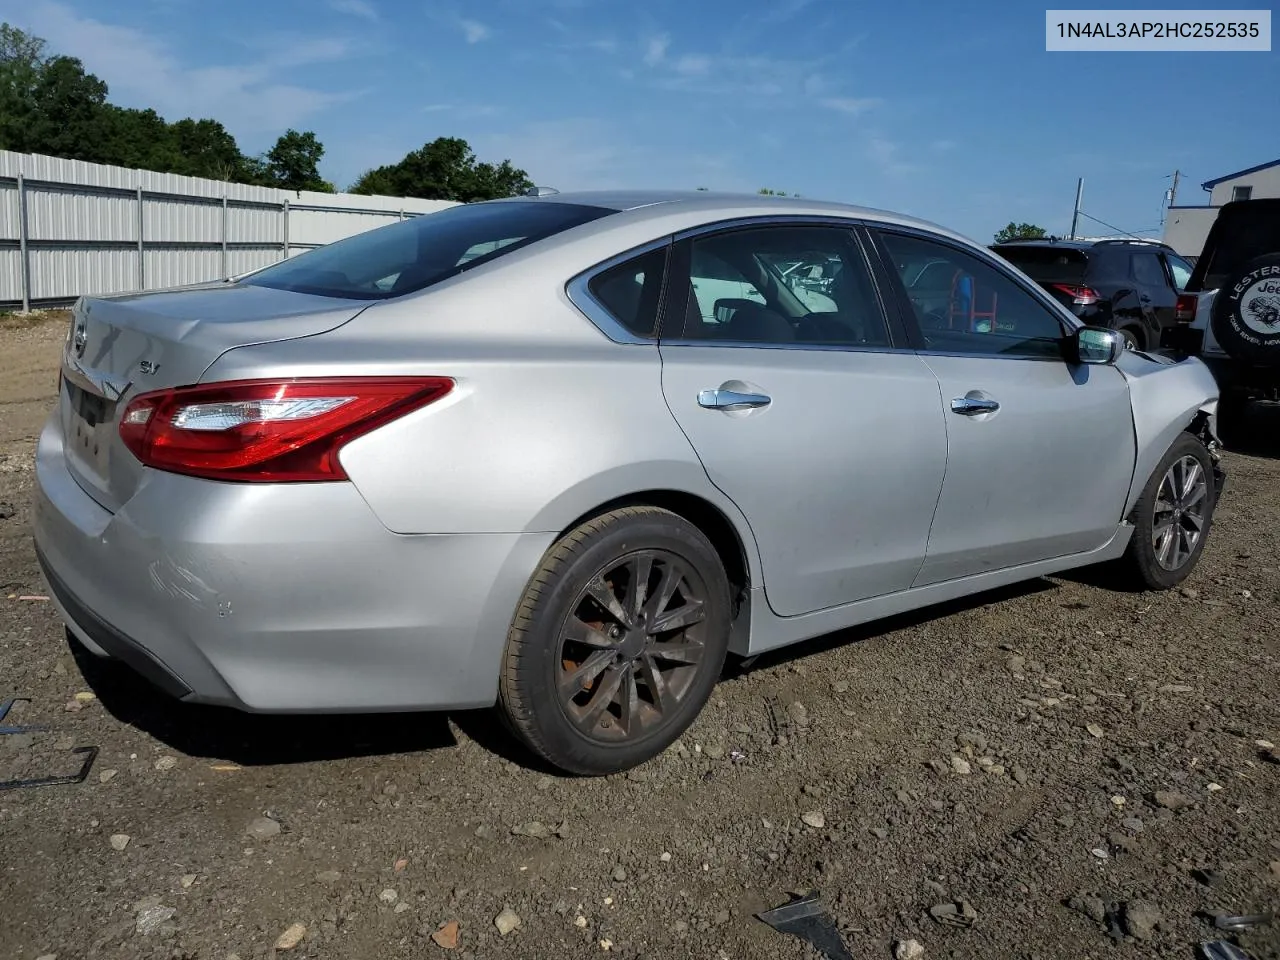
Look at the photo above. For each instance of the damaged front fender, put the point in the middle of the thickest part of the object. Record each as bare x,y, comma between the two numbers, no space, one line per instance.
1169,398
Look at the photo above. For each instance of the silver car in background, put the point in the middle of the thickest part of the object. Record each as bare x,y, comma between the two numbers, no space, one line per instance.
562,454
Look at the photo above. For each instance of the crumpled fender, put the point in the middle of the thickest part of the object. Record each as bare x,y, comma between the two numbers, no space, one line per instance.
1168,397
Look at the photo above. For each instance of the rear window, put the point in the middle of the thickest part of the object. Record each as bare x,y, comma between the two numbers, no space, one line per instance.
1047,264
411,255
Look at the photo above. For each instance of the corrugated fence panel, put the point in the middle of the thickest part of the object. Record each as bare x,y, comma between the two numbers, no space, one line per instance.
171,220
82,227
54,272
311,227
254,225
242,261
174,267
10,274
64,214
8,212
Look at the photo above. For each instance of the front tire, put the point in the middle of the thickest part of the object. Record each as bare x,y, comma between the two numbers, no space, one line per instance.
618,642
1172,517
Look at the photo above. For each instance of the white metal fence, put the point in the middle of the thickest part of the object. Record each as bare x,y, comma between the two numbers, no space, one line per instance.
69,228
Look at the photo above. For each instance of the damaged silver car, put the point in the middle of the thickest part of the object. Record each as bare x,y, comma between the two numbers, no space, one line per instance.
562,454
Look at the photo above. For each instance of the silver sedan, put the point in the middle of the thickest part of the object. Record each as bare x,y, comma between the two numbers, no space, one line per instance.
563,454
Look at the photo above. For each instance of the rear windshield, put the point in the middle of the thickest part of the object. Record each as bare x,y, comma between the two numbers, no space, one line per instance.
407,256
1047,264
1238,235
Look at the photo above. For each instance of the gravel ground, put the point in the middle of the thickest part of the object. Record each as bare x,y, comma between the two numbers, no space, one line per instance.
1058,770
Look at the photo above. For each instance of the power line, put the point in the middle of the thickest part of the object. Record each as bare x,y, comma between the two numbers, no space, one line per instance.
1111,226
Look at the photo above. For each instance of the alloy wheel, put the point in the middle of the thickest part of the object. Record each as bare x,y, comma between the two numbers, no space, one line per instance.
1179,515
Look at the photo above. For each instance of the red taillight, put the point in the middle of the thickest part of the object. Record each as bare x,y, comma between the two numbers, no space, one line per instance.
267,430
1184,308
1083,296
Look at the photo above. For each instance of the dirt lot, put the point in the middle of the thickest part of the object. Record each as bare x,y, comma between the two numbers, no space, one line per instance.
1071,762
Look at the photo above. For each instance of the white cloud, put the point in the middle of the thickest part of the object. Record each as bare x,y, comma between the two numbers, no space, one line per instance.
656,49
850,105
693,66
357,8
886,154
473,30
250,98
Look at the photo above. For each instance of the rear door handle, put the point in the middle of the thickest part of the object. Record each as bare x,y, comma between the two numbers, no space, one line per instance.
731,400
972,406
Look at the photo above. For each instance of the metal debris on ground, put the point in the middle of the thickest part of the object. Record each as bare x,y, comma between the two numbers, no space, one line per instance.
806,918
1223,922
90,754
1222,950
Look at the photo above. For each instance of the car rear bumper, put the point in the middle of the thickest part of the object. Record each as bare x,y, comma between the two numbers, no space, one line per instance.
278,598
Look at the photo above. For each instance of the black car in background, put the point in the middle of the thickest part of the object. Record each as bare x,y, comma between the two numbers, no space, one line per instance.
1128,285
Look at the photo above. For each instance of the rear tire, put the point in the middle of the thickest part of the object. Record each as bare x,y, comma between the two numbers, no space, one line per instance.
618,642
1172,518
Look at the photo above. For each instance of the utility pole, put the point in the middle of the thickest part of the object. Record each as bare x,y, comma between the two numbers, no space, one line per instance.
1075,216
1173,194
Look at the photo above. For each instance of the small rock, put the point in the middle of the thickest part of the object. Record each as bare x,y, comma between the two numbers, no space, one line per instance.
619,874
1020,775
152,917
840,686
291,937
1101,853
446,935
814,818
545,783
506,921
665,857
1275,867
166,763
1133,825
533,829
1175,688
485,832
328,876
388,896
402,907
262,828
1265,744
1091,907
1170,800
1094,729
119,841
959,913
106,776
187,880
1141,917
879,833
46,956
636,776
960,765
714,750
908,950
798,713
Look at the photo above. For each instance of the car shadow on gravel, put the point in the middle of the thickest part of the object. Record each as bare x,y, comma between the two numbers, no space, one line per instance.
1256,433
263,739
738,667
260,739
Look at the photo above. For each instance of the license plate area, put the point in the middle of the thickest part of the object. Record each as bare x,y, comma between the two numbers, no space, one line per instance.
87,425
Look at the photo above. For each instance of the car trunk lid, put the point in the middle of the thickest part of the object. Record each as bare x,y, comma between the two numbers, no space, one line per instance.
119,347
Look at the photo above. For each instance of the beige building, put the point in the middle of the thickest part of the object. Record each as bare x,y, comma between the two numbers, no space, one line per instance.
1187,225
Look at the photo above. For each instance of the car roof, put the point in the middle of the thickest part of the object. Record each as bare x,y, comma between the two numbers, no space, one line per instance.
715,203
1057,242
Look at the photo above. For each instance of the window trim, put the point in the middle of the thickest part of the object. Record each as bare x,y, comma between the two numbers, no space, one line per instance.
578,290
674,304
1067,322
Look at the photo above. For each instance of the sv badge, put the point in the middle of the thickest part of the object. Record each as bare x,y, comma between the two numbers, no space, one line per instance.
149,368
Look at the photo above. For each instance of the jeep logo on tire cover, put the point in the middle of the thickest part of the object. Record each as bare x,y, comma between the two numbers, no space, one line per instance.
1254,304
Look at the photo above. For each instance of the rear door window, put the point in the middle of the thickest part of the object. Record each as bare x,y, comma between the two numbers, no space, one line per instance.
1148,270
414,254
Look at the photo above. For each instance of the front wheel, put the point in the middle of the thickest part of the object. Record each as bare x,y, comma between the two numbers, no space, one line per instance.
1172,517
618,642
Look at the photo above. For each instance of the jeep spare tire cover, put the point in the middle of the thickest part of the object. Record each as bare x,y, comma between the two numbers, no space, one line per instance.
1246,311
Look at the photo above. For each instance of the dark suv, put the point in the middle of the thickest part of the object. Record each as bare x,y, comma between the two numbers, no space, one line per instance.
1129,285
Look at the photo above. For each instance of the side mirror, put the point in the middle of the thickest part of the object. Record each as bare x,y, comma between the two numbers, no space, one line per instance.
1098,345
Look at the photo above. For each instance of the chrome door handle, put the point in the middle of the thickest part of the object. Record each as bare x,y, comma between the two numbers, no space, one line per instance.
972,406
731,400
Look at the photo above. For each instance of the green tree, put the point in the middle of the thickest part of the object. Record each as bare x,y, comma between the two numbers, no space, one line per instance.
1020,231
294,162
444,169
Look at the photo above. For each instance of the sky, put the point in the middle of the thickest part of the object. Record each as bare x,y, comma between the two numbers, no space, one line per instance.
947,111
